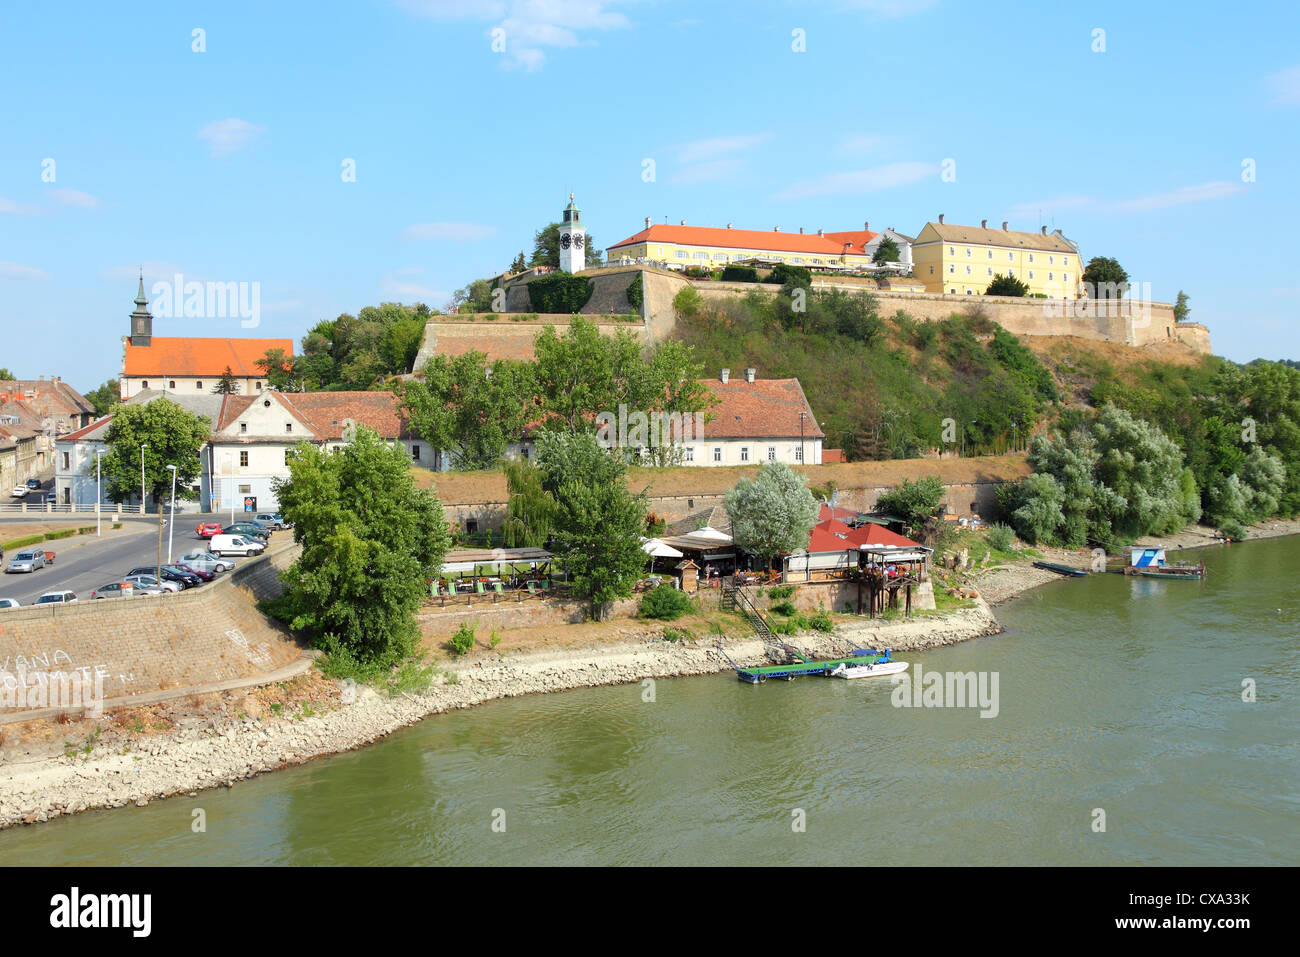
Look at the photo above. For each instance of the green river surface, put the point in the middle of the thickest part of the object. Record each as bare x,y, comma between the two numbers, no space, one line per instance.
1114,693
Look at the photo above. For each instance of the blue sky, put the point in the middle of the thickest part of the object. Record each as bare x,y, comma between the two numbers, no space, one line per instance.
226,164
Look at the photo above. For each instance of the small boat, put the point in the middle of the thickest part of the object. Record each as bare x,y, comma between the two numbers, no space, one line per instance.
873,670
1062,569
1173,571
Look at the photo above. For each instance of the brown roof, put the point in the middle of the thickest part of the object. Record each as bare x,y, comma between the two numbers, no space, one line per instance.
46,387
762,409
325,413
200,357
978,235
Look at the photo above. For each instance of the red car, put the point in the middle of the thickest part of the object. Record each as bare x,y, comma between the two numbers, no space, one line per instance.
208,529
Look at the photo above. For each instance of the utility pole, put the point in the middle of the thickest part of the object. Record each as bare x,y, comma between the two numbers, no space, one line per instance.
171,525
142,495
99,519
802,416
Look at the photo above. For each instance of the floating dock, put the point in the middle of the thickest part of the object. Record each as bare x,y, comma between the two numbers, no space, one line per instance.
804,668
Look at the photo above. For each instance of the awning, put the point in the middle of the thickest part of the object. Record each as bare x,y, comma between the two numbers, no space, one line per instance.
657,549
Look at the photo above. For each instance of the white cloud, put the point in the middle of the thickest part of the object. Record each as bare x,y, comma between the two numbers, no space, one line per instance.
1219,189
861,143
697,150
1049,206
1285,86
401,286
889,9
711,172
529,27
459,232
18,209
855,182
229,135
19,271
75,197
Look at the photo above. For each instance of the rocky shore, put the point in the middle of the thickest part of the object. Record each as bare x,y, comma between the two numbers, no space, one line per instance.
190,760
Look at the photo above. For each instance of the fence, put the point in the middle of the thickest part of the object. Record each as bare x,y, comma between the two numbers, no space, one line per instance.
57,508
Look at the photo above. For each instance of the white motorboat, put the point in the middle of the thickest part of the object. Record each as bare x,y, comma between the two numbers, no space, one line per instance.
875,670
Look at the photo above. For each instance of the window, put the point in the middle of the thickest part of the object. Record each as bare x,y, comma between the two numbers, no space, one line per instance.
288,427
66,461
968,270
243,459
1031,257
1031,274
771,453
969,293
953,291
1011,257
952,251
144,384
989,270
968,252
1051,260
171,383
931,270
689,454
744,453
952,268
990,254
471,526
1065,260
259,386
198,385
717,453
1065,277
681,254
415,452
1050,277
798,454
523,450
243,426
245,489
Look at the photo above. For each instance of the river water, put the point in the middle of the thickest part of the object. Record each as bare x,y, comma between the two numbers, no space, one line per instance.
1116,696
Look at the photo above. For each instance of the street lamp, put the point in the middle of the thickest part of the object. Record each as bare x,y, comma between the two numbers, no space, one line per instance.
99,519
142,498
171,525
802,416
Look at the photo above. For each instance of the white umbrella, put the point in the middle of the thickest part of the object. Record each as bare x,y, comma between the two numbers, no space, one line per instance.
657,549
708,531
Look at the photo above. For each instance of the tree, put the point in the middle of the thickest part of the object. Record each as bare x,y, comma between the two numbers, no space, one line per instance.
1007,285
279,371
227,384
361,351
913,501
772,513
886,252
173,436
476,297
469,409
598,521
1263,478
1181,309
546,248
370,540
6,375
105,397
519,265
1105,278
530,509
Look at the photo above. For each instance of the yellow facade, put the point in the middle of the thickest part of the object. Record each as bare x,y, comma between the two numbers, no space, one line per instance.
962,260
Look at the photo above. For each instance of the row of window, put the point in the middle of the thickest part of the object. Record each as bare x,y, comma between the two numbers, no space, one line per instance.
724,257
1051,276
198,385
689,454
1011,256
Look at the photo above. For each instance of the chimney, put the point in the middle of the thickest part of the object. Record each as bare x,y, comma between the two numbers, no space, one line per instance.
800,230
749,374
647,222
1044,230
683,222
941,219
821,232
1059,233
776,229
725,375
984,224
1004,225
866,226
728,225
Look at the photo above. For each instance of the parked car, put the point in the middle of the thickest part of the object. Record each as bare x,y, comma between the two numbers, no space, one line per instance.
10,603
150,581
208,529
248,528
57,598
33,483
207,561
169,574
20,491
272,520
51,497
235,545
26,562
202,574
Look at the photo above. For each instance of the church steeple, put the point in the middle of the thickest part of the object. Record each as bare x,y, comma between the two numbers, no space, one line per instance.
141,318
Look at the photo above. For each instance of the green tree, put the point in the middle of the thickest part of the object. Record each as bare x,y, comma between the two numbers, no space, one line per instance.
559,293
914,501
227,384
886,252
1181,309
279,370
370,539
530,508
1263,478
476,297
598,521
1040,514
6,375
772,513
1007,285
519,265
104,397
468,408
1106,278
172,435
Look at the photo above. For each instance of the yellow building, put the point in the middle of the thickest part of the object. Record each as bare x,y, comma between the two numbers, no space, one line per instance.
962,260
678,247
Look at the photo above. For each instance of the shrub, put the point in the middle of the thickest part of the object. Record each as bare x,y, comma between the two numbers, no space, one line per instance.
784,608
85,529
1000,538
688,302
23,542
665,603
672,634
1233,529
635,292
61,533
740,274
559,293
463,639
780,592
783,273
820,620
791,626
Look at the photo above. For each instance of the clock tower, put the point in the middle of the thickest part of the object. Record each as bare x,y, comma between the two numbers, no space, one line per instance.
573,240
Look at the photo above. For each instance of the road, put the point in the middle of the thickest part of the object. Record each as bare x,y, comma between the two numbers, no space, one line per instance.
90,565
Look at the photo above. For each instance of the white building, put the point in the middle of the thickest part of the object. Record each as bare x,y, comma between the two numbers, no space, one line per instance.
904,243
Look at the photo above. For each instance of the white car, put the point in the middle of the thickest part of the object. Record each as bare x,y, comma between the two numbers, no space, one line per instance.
235,545
151,581
9,603
208,562
57,598
20,491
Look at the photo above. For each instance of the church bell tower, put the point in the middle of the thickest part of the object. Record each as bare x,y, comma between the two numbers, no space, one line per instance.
573,240
141,319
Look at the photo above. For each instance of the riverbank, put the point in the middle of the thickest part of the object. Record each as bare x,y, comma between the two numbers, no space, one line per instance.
247,737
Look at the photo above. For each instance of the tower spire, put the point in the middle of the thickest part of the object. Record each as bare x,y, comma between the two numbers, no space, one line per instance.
141,318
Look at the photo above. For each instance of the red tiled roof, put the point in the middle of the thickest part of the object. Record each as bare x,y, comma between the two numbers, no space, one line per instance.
857,238
827,245
832,536
821,540
873,534
200,357
86,430
325,413
762,409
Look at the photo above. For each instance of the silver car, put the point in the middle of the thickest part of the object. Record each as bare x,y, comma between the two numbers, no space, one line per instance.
208,562
26,562
149,581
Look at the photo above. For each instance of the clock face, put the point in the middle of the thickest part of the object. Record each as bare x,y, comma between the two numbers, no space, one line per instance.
577,241
565,241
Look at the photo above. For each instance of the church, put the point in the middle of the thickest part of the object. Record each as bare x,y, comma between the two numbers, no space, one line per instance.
186,365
